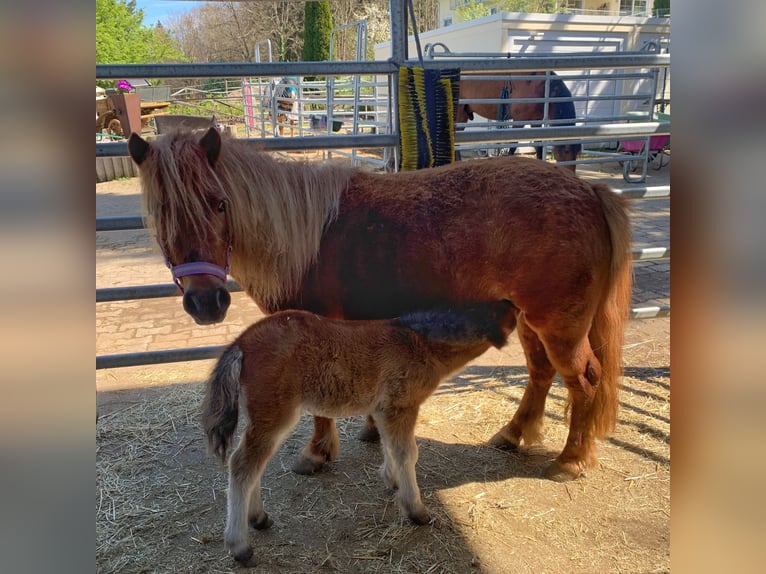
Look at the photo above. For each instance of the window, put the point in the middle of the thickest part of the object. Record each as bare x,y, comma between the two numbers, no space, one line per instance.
447,22
631,7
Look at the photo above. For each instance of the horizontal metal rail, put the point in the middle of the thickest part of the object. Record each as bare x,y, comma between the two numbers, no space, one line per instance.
157,357
134,292
131,293
120,223
136,222
651,253
626,130
608,76
645,192
286,144
650,312
510,63
242,69
629,130
213,352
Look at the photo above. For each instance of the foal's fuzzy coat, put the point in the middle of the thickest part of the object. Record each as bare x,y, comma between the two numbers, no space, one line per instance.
295,360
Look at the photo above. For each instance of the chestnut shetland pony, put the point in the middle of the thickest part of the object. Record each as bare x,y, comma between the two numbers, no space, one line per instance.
534,112
344,243
295,360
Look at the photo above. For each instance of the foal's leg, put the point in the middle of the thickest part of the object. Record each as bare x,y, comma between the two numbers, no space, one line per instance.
527,422
323,446
246,467
389,470
397,432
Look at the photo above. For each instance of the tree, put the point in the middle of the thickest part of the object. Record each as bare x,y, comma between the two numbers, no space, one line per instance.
472,11
317,29
662,7
229,31
122,38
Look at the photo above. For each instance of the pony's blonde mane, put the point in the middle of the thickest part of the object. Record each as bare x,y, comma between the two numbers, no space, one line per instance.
277,213
174,184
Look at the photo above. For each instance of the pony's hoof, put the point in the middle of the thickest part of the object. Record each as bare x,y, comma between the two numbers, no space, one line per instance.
420,517
261,522
307,467
369,434
504,442
243,555
563,472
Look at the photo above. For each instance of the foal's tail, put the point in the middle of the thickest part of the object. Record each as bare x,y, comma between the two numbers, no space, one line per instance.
220,409
607,330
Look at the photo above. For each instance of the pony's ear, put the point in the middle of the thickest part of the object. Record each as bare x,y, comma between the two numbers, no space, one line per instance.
211,143
138,148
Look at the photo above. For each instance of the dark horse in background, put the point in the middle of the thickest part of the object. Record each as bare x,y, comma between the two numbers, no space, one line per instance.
344,243
520,112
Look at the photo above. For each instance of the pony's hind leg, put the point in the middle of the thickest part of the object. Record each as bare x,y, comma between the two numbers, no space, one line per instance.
370,432
527,421
581,372
323,447
397,432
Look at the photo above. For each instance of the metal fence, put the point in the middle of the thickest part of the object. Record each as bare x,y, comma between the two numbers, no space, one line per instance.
586,133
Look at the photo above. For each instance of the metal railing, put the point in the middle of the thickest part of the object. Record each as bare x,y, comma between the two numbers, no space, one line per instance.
467,63
135,222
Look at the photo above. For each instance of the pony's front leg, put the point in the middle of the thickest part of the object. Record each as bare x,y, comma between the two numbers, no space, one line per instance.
323,446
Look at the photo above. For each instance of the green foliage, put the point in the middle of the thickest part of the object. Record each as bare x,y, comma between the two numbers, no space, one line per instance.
317,25
662,7
474,10
122,37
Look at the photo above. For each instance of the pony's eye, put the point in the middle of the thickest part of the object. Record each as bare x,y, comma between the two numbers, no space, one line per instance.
222,206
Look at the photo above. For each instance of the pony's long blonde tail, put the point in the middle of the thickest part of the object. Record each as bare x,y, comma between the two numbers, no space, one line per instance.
220,408
608,328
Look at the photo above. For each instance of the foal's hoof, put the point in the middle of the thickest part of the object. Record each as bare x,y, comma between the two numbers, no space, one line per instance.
563,471
307,466
369,434
261,522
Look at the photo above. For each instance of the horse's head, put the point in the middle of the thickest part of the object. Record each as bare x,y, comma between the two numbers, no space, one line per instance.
187,210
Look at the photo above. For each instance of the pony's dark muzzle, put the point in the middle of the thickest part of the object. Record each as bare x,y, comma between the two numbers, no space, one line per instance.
207,306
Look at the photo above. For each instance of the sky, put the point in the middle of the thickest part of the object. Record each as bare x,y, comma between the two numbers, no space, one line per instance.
162,9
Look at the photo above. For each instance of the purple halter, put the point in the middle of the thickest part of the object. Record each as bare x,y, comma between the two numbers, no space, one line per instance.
198,268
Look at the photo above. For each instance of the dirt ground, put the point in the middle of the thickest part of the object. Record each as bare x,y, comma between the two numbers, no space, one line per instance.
161,501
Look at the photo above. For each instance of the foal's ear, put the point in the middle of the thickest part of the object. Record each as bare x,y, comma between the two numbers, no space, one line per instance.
211,143
138,147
